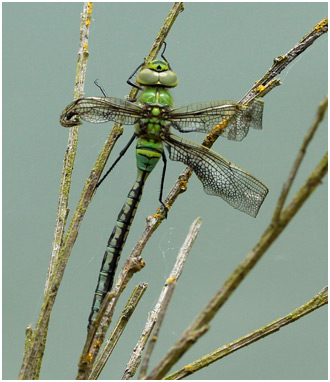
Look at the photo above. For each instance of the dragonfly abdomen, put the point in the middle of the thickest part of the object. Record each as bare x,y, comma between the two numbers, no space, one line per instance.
116,242
148,153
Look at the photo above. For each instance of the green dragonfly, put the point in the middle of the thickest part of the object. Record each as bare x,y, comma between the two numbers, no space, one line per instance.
153,116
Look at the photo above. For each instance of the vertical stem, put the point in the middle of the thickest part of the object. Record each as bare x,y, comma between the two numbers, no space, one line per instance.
35,342
63,200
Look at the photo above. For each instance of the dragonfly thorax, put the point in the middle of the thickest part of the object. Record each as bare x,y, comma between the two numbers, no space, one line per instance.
151,128
155,102
152,96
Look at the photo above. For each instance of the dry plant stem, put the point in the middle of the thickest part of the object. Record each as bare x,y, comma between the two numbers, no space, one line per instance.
36,341
282,62
164,297
85,198
268,237
308,137
316,302
93,344
118,330
62,209
90,351
158,324
172,280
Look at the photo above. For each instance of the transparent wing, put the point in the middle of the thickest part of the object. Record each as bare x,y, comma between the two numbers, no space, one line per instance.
99,110
202,117
219,177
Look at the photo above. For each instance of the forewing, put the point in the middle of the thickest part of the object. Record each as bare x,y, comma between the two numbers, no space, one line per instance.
219,177
99,110
203,117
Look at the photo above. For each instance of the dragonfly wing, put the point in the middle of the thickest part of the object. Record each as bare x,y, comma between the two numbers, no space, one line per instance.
255,111
219,177
238,128
99,110
203,117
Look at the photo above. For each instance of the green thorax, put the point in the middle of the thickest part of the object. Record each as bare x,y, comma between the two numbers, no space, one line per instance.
155,99
149,146
156,95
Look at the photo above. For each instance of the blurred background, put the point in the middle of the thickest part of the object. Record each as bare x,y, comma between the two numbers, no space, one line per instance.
217,50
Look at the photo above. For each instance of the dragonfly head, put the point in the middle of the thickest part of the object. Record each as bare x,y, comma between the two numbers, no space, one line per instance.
157,73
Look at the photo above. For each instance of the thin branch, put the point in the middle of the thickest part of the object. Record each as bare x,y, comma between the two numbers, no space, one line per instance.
117,331
268,237
62,209
302,151
163,299
158,324
87,359
316,302
36,342
283,61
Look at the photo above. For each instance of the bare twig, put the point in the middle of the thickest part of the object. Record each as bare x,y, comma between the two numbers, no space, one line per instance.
62,209
164,297
117,331
36,342
268,237
152,342
282,62
302,151
316,302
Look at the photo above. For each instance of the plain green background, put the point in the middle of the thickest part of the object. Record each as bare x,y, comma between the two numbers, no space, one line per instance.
217,50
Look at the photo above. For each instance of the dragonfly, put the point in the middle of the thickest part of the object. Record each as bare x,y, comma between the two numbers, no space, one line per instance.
154,115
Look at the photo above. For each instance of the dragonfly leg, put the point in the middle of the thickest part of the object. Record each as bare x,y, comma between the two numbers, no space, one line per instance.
162,185
162,55
132,75
101,88
121,154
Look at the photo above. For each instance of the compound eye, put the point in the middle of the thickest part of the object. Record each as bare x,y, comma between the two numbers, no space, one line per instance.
168,78
147,77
